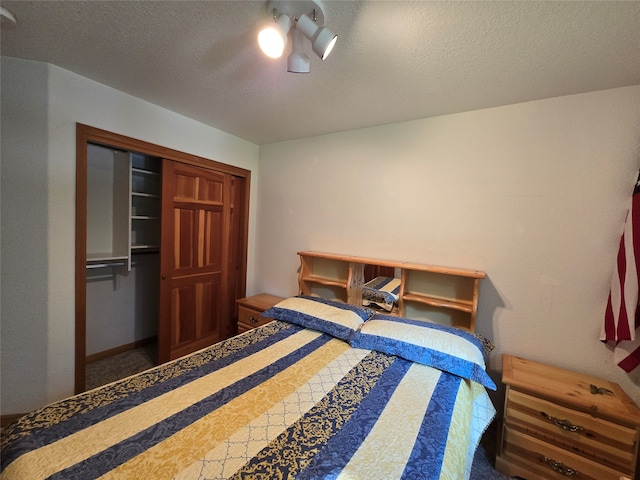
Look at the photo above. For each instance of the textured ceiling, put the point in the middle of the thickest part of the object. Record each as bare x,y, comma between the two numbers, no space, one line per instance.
394,61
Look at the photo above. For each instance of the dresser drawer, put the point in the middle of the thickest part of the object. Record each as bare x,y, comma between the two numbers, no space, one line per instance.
249,318
547,461
598,439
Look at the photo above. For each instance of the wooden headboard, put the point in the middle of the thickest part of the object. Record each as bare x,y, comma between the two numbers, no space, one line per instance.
439,294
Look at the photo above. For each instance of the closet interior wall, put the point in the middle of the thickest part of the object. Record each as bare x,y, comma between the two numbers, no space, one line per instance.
123,261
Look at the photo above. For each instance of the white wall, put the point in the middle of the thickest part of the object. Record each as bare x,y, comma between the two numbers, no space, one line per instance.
23,233
40,107
122,306
535,194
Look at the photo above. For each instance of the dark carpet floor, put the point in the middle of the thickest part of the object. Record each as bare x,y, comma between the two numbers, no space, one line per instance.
120,366
485,457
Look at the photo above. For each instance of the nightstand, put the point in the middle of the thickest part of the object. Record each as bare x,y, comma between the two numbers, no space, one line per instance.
560,424
250,308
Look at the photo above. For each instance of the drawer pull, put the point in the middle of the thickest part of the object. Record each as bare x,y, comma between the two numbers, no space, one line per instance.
253,319
563,424
560,467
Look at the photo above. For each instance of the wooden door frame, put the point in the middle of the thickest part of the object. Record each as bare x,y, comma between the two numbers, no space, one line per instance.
86,134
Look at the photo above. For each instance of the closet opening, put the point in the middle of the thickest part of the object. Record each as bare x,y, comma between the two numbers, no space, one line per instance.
161,253
123,263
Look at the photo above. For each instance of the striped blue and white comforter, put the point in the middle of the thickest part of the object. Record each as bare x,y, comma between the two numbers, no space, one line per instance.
277,402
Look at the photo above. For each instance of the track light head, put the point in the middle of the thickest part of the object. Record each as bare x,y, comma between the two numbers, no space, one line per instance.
322,38
273,37
304,18
298,62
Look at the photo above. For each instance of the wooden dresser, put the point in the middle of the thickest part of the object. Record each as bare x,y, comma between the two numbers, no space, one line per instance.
250,308
560,424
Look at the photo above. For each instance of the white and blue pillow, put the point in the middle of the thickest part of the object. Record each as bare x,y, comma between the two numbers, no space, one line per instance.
447,348
328,316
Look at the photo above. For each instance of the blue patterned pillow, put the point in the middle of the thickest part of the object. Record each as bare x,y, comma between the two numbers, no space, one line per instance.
447,348
335,318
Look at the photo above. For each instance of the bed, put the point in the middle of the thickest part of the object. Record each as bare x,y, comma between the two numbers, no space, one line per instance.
326,390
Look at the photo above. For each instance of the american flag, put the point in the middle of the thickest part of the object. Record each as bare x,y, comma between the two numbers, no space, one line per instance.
621,328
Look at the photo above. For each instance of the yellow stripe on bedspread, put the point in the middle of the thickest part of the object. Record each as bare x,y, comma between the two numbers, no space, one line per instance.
459,431
81,445
467,426
171,456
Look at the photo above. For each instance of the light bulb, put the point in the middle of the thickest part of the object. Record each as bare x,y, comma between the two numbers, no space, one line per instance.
271,42
273,38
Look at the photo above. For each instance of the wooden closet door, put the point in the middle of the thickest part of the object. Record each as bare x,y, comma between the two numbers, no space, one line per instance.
195,248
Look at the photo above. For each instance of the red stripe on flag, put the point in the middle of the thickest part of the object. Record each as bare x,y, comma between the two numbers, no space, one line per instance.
615,296
631,361
629,283
609,330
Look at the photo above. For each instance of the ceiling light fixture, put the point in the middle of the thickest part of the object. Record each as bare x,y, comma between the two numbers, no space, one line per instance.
303,19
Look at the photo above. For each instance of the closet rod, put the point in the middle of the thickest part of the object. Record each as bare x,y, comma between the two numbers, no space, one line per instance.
105,265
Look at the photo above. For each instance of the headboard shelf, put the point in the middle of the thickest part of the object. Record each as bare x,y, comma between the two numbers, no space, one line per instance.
397,264
446,289
463,306
326,281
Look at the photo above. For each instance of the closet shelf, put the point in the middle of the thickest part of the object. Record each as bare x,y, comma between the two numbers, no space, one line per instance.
106,265
106,260
104,257
143,171
145,247
145,208
145,195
